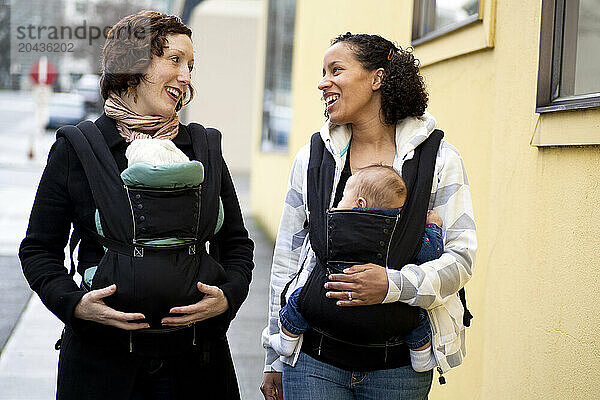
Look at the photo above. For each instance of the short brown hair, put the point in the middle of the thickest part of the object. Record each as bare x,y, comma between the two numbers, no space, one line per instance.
130,45
380,185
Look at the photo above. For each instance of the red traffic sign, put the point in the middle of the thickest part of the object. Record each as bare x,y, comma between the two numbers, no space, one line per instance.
43,72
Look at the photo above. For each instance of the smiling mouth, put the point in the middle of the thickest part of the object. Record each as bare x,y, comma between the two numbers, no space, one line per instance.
173,93
331,100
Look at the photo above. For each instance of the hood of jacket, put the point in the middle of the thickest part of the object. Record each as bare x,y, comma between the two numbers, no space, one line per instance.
410,132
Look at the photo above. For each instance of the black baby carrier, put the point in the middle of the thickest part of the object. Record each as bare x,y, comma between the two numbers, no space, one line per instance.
150,278
362,338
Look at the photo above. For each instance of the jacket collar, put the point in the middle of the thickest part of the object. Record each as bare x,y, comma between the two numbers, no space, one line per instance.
410,132
108,127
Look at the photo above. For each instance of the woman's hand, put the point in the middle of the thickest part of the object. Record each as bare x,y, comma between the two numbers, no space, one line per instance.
434,218
366,284
92,308
212,304
271,386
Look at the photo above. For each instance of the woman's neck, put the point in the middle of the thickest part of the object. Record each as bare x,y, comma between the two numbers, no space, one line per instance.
130,99
372,143
373,134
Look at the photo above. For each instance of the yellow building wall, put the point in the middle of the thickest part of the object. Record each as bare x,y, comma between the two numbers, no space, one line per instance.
534,291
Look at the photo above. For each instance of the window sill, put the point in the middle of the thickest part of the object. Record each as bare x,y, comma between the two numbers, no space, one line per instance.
591,100
567,128
473,36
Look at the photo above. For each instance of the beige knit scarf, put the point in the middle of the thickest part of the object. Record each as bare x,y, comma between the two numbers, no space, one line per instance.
132,125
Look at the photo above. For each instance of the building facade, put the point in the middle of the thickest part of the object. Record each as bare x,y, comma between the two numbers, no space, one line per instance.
515,87
225,37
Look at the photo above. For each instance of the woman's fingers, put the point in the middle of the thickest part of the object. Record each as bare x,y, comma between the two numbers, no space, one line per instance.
340,284
91,307
366,283
353,303
272,387
352,273
357,268
119,319
128,326
102,293
212,304
341,278
180,321
121,316
208,289
191,309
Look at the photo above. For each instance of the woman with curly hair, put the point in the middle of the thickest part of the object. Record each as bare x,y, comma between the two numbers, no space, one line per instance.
375,101
149,318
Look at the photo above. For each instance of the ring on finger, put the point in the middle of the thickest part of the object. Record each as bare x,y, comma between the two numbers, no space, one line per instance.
349,296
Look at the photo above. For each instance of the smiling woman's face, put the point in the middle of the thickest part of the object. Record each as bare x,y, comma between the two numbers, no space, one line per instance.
348,88
167,78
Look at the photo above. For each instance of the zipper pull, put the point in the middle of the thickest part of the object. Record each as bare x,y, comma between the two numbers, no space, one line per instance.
320,344
194,339
386,352
441,378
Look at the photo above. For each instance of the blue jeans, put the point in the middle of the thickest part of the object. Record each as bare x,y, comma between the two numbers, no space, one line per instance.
312,379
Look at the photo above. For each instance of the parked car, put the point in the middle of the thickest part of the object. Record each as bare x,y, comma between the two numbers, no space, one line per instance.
89,87
65,109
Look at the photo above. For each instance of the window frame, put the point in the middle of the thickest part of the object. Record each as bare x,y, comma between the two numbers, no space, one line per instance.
442,31
267,143
550,63
468,38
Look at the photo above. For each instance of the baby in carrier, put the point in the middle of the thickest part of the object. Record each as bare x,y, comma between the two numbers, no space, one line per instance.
159,164
162,183
380,188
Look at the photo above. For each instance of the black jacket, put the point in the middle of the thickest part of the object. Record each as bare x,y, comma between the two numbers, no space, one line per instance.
64,198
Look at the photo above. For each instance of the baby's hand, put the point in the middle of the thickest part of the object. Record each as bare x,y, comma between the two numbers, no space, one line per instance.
433,218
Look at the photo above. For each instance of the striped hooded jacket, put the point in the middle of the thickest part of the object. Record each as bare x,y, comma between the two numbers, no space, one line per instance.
432,286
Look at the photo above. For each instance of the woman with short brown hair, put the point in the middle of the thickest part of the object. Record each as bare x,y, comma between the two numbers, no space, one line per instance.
125,337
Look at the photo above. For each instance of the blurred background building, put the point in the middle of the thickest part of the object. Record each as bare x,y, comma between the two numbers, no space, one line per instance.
66,16
516,88
227,53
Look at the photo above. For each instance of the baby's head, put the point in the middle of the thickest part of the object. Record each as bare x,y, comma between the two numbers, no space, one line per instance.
375,186
154,151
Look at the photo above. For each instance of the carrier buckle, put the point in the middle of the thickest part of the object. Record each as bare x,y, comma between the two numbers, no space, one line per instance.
138,252
192,250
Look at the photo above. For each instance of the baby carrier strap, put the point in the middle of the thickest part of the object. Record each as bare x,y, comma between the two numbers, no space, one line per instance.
418,176
103,176
416,172
320,175
206,143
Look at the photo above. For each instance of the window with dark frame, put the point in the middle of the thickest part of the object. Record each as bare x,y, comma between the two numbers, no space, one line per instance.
277,110
569,67
432,18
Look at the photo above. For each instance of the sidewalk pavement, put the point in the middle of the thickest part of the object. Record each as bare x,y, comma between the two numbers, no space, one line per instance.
28,362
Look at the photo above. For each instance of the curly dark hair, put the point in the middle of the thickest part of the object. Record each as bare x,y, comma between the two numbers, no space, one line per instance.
403,91
130,45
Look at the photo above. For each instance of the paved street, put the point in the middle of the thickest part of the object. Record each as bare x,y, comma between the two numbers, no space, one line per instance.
27,330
